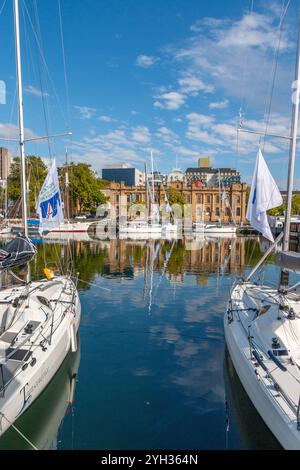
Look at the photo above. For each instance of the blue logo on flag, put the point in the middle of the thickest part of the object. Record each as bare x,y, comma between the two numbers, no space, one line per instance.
49,207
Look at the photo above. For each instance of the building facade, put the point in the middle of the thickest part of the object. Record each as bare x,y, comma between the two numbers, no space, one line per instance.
176,175
5,163
123,173
208,176
204,201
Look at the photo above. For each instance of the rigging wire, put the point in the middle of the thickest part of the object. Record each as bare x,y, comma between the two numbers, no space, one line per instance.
64,62
2,8
269,99
45,65
274,71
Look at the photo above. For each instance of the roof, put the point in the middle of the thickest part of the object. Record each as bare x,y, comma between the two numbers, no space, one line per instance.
211,170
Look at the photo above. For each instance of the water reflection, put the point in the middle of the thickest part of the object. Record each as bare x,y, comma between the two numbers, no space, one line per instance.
41,422
152,373
246,428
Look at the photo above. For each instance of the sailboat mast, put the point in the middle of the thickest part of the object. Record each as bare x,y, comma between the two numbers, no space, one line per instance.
66,201
220,203
21,114
152,171
293,145
146,191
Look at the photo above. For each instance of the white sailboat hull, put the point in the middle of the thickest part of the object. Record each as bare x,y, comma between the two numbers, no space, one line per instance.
220,229
69,227
169,228
140,228
23,389
273,409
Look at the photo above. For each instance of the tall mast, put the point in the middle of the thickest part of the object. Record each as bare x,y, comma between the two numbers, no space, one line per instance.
21,116
146,191
220,203
152,171
66,201
293,145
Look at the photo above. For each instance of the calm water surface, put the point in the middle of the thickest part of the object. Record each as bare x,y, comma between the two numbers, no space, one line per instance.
152,370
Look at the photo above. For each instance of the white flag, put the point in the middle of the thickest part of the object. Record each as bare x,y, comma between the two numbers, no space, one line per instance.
264,195
49,206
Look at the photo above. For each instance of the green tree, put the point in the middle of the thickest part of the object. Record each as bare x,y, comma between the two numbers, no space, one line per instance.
296,204
85,187
175,196
36,172
277,211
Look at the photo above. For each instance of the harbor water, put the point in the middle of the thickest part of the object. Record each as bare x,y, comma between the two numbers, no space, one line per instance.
151,370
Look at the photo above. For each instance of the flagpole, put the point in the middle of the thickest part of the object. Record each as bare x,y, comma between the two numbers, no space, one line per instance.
21,116
290,183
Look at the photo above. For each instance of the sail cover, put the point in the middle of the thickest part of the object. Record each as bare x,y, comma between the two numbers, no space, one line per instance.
49,205
17,252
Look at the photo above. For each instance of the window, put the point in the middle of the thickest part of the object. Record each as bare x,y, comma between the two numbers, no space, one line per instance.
238,199
218,211
199,198
208,198
208,210
188,198
117,198
217,199
238,211
128,198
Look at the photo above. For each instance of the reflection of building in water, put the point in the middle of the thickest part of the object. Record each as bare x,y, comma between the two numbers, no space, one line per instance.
125,258
130,258
225,254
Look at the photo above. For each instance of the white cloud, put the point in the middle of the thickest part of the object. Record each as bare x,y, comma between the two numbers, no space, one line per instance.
34,91
167,135
219,104
223,137
171,100
11,131
192,85
236,57
105,118
141,134
146,61
85,112
122,144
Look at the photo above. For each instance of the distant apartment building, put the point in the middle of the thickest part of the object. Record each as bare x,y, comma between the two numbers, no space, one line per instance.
5,163
119,173
210,177
176,175
158,177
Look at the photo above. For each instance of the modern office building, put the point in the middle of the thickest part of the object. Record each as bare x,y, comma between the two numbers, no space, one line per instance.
123,173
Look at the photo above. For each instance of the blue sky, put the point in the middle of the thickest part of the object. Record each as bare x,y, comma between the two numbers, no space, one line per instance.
168,75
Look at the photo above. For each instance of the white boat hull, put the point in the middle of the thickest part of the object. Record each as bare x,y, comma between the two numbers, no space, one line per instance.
273,409
20,393
76,227
135,229
222,229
